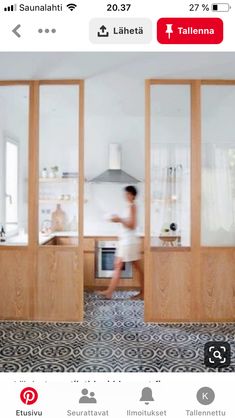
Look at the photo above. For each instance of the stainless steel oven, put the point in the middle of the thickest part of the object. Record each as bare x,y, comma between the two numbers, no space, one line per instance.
105,255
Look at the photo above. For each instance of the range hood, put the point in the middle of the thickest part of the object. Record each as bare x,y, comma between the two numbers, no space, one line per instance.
115,174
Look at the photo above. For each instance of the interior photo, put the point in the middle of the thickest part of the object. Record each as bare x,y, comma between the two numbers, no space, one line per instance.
117,210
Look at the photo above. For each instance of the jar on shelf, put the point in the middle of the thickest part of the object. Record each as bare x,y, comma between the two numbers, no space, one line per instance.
44,173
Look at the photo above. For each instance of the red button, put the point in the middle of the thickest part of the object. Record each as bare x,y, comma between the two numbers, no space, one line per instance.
190,31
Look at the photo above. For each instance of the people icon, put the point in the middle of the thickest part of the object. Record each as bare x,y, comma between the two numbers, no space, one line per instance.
87,398
92,397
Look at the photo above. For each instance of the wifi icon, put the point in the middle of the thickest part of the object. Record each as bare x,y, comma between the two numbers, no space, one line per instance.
71,6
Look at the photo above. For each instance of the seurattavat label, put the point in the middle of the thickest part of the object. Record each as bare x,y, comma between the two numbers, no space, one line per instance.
89,413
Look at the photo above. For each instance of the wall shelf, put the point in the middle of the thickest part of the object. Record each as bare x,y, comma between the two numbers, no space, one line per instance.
48,201
58,180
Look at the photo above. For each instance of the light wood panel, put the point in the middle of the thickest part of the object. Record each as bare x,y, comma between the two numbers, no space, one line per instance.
59,295
89,244
217,285
172,292
15,284
89,270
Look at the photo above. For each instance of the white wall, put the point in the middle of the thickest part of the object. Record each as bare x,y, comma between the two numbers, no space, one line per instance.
14,125
104,200
114,113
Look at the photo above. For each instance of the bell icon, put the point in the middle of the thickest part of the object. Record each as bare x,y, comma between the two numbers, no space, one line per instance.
147,396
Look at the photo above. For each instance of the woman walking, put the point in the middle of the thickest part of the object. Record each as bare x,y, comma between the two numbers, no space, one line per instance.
128,249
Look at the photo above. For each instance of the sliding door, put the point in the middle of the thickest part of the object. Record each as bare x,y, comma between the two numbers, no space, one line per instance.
190,201
218,199
41,200
15,270
168,192
60,229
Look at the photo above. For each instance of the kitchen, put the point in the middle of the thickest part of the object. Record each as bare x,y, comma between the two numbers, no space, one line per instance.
59,135
60,188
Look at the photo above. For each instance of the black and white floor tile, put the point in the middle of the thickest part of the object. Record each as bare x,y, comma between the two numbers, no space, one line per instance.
112,338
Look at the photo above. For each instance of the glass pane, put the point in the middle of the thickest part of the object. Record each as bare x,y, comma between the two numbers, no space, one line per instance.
14,115
58,164
170,165
12,168
218,165
108,260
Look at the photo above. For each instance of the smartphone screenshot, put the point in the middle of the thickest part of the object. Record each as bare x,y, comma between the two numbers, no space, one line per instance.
117,208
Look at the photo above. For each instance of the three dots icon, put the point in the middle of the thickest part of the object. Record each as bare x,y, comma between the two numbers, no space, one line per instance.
40,30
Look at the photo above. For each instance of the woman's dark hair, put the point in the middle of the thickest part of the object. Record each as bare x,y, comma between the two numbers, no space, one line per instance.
132,190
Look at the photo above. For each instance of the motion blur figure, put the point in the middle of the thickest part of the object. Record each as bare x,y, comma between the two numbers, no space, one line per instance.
128,249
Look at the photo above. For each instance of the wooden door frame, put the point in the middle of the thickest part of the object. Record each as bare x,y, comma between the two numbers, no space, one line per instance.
196,249
195,196
32,248
195,152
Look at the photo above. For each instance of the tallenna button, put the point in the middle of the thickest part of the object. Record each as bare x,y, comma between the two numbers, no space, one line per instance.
120,31
190,31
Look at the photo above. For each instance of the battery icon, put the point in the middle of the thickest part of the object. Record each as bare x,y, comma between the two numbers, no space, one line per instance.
220,7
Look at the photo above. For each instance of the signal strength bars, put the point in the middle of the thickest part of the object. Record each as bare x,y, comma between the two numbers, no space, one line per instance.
11,8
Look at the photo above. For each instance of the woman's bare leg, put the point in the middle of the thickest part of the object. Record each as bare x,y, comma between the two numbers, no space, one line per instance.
115,279
137,266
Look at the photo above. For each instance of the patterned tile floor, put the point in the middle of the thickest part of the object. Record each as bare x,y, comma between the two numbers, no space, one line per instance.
113,337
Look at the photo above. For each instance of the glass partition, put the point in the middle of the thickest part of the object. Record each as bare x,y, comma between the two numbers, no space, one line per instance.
58,164
170,165
14,122
218,165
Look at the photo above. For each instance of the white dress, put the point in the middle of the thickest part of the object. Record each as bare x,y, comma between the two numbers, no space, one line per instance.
128,248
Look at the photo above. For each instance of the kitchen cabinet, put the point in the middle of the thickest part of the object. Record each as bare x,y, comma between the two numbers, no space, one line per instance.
90,280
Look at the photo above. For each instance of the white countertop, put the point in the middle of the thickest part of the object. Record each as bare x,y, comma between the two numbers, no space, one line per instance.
44,238
23,238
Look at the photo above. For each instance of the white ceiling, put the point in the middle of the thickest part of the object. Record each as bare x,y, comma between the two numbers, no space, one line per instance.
50,65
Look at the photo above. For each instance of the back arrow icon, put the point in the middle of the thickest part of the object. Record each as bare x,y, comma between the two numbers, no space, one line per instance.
15,31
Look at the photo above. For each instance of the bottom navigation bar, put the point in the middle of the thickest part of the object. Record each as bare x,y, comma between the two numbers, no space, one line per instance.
117,395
